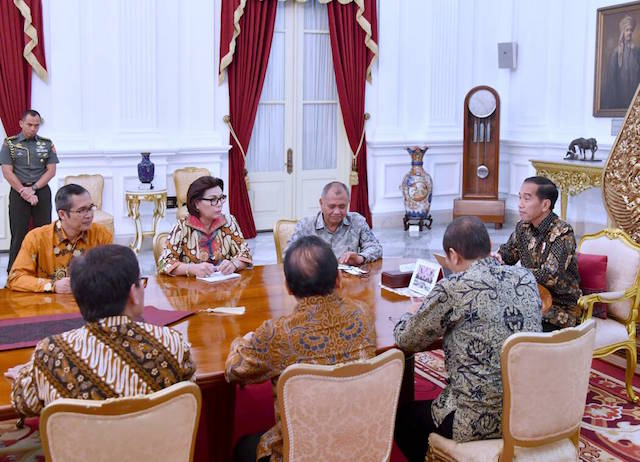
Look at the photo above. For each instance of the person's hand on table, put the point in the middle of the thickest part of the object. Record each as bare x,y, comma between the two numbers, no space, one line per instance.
12,372
226,267
62,286
203,269
351,258
498,257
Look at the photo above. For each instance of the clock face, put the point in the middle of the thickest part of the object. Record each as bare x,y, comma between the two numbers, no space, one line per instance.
482,103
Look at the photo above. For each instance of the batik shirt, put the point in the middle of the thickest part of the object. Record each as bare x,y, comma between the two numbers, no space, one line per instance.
353,235
321,330
549,251
110,358
190,242
46,253
474,311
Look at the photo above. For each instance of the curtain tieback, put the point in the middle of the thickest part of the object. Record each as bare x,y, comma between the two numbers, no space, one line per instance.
227,120
353,176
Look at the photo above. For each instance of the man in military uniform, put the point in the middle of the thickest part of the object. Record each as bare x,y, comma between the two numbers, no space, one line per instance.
28,164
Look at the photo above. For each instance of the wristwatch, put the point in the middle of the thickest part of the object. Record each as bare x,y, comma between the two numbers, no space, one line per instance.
34,187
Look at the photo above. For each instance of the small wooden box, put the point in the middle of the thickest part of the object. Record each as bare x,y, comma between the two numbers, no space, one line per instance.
396,279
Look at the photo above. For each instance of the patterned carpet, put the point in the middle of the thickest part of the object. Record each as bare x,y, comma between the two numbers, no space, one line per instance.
611,424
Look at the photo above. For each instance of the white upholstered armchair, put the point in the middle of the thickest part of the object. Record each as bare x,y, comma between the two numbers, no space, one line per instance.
622,298
340,413
182,179
541,408
282,232
94,184
160,426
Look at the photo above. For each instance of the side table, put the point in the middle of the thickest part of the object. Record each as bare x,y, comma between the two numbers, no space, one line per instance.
133,199
571,177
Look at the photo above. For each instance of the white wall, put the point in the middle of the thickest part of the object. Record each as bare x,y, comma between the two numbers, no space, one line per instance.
126,77
432,53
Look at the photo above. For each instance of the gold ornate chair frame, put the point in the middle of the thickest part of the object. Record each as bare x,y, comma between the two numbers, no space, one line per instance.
586,303
159,241
282,229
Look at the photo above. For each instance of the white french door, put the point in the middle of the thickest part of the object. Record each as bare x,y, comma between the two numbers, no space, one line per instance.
298,142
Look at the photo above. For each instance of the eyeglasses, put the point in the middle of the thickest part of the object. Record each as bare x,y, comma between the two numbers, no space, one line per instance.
143,281
85,210
215,200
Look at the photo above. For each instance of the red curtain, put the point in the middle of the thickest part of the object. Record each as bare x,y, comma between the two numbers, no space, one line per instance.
15,71
351,58
246,74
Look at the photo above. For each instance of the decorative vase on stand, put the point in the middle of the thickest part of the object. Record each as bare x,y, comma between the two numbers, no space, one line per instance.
146,170
417,191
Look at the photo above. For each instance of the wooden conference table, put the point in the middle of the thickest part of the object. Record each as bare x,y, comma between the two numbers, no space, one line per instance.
261,290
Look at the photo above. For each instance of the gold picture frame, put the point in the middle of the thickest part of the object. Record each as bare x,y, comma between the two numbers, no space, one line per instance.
617,63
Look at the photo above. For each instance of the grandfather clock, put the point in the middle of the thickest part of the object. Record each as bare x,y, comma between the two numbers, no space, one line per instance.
481,158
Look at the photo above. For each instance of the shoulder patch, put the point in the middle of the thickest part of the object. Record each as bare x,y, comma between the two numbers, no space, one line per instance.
11,137
44,139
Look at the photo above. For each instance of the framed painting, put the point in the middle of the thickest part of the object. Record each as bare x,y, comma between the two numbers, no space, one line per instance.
617,72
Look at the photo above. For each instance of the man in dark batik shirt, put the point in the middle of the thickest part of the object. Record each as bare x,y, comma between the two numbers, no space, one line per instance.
546,245
474,310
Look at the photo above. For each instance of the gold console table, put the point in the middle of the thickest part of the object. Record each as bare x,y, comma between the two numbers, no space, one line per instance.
572,177
133,198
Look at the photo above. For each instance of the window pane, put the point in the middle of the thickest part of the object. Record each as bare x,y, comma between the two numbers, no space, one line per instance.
273,89
266,148
319,79
319,137
315,16
279,24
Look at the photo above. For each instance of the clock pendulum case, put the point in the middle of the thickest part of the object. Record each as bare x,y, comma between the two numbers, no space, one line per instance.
481,158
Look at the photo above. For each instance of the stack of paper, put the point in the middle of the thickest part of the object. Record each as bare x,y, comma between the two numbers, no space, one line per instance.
217,277
352,270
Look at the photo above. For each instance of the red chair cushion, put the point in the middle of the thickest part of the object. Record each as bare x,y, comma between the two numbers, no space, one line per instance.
593,278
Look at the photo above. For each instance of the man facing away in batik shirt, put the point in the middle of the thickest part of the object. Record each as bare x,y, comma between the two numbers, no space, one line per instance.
546,245
322,329
348,233
474,310
112,355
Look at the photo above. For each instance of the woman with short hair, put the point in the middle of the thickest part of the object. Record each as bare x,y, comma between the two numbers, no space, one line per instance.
207,240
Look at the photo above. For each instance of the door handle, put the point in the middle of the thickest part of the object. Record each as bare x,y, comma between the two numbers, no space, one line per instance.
289,162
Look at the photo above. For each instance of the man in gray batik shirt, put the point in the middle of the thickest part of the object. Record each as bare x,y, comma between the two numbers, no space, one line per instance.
348,233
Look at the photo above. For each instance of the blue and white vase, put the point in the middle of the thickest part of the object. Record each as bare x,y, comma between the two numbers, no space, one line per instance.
146,169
